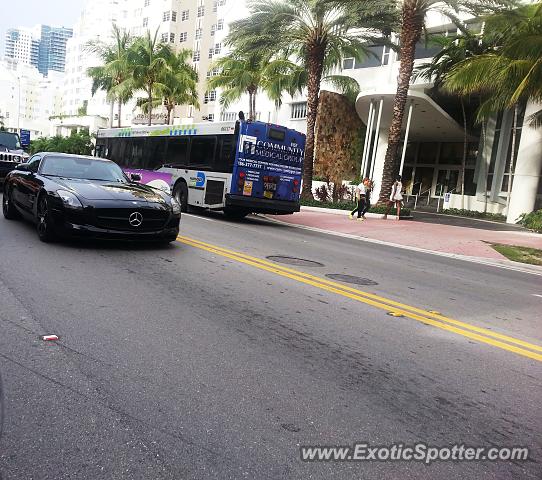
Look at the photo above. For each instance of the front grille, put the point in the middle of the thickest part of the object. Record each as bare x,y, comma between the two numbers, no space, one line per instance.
214,192
8,157
154,219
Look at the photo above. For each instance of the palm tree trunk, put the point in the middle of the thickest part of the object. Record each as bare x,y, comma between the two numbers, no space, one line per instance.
411,32
120,113
512,155
250,105
111,114
464,158
316,55
150,105
254,105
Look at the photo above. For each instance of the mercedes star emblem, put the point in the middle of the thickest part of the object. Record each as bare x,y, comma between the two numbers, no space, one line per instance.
136,219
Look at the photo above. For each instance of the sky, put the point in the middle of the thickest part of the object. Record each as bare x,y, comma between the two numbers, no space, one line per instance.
27,13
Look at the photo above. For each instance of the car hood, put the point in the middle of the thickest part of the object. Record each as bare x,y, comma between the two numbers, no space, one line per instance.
97,190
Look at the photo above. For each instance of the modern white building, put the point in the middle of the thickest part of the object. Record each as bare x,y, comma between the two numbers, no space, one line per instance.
27,98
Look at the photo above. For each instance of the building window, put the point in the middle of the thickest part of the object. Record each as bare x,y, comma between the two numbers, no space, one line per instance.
166,17
147,3
165,37
172,38
199,33
145,22
298,111
218,48
183,37
348,64
211,51
197,56
185,15
211,117
173,16
220,24
209,97
201,11
213,30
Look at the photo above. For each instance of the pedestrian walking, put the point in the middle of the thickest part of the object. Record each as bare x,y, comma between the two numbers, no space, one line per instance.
396,198
368,183
360,202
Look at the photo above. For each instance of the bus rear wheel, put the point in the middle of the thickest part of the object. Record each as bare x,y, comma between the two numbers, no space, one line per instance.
180,192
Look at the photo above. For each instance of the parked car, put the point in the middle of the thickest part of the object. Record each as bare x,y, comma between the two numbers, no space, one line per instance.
11,153
77,196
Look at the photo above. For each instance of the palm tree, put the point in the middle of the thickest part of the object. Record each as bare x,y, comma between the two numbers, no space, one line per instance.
510,74
149,60
178,86
317,33
413,16
241,73
116,69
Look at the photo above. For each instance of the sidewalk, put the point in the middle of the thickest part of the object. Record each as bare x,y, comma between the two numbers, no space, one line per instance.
472,242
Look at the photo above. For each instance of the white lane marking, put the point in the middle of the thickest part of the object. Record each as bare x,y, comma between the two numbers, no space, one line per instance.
198,217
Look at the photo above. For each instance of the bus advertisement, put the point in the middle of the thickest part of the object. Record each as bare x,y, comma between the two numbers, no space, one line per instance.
239,168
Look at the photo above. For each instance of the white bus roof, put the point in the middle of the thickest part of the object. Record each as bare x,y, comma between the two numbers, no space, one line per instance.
207,128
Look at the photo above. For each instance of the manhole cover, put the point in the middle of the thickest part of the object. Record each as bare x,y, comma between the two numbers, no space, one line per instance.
351,279
300,262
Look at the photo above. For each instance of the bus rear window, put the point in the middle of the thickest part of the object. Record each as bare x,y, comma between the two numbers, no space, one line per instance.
276,134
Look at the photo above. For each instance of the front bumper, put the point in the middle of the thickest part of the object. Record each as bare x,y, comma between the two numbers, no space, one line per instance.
262,205
82,224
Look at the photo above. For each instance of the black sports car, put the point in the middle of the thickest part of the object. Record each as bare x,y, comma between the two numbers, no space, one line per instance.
71,195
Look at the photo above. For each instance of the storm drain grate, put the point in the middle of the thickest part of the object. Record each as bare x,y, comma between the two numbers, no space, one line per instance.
351,279
298,262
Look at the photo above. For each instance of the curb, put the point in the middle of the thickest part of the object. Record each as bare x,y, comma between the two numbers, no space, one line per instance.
504,264
337,211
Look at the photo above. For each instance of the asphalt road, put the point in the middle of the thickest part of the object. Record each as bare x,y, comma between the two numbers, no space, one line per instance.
186,362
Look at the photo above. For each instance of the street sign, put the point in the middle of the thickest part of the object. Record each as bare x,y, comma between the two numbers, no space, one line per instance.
25,138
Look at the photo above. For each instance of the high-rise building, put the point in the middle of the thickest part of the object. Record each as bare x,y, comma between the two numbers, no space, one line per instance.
43,47
52,48
197,25
22,45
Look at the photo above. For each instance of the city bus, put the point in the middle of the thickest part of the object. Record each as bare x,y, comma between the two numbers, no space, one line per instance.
239,168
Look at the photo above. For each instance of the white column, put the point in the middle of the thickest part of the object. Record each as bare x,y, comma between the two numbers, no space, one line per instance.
368,136
377,137
528,169
407,133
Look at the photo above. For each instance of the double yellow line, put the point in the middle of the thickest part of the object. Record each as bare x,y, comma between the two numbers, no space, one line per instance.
392,307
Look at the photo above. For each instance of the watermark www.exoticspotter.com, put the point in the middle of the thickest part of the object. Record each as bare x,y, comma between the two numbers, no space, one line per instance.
418,452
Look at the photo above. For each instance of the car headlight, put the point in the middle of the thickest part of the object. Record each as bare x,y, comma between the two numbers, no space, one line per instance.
69,199
175,206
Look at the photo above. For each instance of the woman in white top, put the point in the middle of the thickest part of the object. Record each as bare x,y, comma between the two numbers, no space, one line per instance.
396,198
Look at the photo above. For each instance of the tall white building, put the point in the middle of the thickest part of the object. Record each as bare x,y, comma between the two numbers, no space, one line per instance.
197,25
28,99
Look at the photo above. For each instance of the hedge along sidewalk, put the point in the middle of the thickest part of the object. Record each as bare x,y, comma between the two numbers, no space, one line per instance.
336,211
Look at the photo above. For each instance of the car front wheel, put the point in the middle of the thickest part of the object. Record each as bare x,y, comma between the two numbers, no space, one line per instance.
8,209
45,226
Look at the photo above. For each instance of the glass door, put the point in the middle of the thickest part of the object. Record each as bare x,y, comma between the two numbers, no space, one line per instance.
446,181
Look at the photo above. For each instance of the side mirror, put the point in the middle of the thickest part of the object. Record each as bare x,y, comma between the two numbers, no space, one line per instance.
22,167
135,177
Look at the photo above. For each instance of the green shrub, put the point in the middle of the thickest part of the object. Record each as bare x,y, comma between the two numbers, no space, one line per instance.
532,221
473,214
405,212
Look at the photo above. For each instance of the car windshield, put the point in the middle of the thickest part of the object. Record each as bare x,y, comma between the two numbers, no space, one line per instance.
10,140
82,168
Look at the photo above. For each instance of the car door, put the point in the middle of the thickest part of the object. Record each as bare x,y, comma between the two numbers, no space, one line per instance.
27,185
